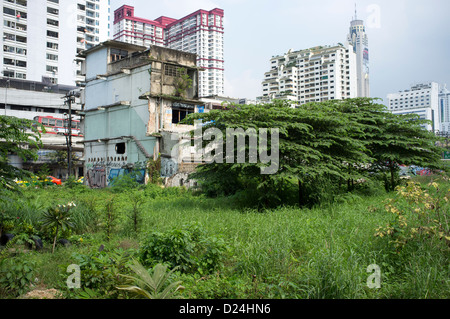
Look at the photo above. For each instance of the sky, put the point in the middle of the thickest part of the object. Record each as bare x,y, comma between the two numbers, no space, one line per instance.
409,40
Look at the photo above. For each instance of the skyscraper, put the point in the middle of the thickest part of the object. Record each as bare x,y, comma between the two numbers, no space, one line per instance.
359,41
41,38
200,32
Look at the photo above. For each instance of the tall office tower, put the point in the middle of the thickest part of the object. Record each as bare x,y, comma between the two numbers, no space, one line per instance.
200,32
311,75
421,99
444,109
359,41
41,38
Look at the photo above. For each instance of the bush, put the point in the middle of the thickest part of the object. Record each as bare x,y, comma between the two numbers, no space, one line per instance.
16,276
189,248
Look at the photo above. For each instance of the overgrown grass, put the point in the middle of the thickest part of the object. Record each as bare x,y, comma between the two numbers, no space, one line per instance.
321,252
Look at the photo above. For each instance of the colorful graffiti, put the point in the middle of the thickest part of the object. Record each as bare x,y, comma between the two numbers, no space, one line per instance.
100,174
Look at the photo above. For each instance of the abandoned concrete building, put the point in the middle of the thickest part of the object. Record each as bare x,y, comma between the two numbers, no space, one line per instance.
135,98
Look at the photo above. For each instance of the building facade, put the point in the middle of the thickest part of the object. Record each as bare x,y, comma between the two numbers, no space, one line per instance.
444,109
46,104
312,75
331,72
200,32
41,38
421,99
133,105
359,41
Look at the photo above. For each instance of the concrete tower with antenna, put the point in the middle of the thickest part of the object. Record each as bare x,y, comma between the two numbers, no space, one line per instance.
359,41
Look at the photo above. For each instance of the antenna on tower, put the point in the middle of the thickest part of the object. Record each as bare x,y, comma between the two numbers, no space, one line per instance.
356,15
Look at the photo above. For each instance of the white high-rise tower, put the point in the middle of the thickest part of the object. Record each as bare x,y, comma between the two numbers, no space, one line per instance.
359,41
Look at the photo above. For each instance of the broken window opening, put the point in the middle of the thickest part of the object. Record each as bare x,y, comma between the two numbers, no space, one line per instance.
120,148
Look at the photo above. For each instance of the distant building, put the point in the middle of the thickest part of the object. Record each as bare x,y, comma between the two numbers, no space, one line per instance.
312,75
200,32
360,43
44,103
322,73
444,109
421,99
41,38
134,101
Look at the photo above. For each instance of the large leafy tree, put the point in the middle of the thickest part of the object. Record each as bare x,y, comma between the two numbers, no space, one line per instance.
333,140
391,140
314,142
20,137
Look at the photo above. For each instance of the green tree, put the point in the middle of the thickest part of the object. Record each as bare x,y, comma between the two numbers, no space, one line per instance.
314,142
58,218
391,139
22,138
331,141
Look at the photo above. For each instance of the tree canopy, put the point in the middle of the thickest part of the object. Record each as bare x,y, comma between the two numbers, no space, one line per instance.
20,137
339,140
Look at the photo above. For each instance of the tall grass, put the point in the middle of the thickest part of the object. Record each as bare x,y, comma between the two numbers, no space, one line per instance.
287,252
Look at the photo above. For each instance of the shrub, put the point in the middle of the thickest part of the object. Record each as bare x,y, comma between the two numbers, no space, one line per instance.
189,248
16,275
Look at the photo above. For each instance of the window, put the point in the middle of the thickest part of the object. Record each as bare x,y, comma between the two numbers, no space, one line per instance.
117,54
21,39
120,148
52,10
51,68
52,45
52,34
52,22
52,57
178,114
172,70
9,11
22,64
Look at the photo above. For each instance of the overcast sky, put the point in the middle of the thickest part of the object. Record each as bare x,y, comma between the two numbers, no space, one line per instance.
409,40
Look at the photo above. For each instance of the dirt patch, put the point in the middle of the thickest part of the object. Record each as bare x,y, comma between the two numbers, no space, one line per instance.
43,294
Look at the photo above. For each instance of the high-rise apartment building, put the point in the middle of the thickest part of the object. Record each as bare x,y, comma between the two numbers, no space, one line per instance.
312,75
200,32
41,38
421,99
331,72
444,109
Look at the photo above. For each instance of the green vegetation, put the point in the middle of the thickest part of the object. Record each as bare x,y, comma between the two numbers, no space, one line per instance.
219,248
335,209
330,143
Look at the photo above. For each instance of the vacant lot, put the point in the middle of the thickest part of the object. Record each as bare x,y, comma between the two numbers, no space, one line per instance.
226,250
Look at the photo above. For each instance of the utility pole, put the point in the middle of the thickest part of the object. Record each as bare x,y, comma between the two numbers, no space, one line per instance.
69,99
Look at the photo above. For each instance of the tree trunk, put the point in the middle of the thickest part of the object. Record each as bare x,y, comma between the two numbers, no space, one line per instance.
301,195
54,241
391,164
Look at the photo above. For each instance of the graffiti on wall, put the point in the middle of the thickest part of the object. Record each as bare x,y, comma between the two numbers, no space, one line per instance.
96,177
168,167
138,175
101,173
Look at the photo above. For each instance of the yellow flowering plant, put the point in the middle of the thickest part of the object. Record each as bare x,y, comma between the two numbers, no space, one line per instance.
419,212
